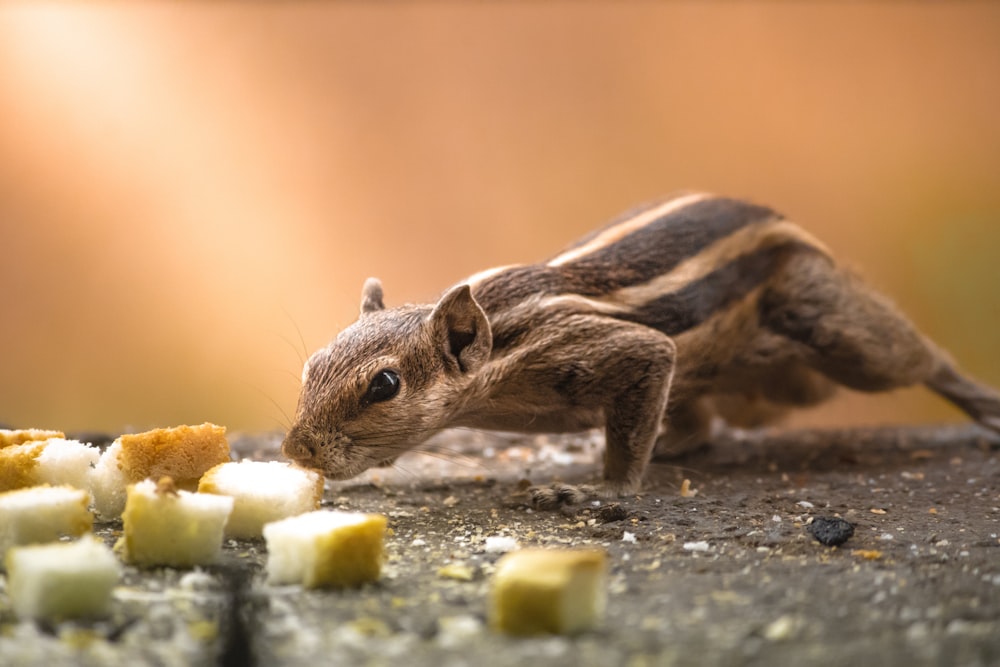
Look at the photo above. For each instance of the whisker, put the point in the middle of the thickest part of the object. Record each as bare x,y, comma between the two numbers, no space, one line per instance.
296,376
403,470
287,424
463,461
298,353
305,348
691,437
449,451
409,433
279,423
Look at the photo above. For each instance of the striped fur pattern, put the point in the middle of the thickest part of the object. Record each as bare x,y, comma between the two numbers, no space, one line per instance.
682,311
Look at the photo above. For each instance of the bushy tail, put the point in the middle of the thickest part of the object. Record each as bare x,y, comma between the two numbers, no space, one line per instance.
979,401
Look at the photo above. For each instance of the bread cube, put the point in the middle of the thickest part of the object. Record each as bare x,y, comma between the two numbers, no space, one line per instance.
52,461
42,514
17,437
325,548
557,591
62,580
166,526
183,453
263,492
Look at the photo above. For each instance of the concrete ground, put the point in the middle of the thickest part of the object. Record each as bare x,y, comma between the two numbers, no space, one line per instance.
726,574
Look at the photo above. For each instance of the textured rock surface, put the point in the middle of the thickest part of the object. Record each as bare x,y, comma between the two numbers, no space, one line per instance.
727,574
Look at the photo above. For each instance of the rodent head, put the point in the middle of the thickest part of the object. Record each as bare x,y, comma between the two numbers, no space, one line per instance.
387,382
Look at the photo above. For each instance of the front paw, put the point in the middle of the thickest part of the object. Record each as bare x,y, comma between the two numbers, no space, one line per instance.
558,495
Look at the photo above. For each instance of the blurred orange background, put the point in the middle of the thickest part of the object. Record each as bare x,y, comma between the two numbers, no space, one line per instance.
185,188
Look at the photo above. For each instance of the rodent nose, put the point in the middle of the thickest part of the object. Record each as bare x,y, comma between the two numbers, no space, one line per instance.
296,448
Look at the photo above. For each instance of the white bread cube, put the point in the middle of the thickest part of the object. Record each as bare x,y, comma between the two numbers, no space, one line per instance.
43,514
182,453
17,437
166,526
263,492
325,548
558,591
52,461
62,580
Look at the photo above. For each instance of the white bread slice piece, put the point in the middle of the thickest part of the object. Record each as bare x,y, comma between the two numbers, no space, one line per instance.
325,548
62,580
264,491
166,526
182,453
43,514
53,461
559,591
20,436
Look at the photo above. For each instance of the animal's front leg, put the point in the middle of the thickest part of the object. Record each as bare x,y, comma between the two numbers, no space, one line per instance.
632,370
634,415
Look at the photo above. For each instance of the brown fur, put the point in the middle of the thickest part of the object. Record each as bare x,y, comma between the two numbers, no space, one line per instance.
723,306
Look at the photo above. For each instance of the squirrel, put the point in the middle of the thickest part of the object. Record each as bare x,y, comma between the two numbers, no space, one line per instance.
676,313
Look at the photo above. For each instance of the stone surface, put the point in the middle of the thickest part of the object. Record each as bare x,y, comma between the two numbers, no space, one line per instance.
917,584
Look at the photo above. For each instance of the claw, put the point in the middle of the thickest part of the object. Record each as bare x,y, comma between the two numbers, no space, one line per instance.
557,495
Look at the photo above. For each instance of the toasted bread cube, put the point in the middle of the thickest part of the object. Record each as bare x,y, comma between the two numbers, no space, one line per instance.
17,437
558,591
325,548
52,461
19,465
166,526
62,580
43,514
263,492
183,453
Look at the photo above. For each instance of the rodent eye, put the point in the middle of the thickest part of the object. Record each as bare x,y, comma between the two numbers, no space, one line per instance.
383,386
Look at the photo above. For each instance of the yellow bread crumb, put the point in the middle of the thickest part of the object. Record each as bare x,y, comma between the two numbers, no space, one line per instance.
182,453
164,526
16,437
62,580
686,490
538,591
18,464
43,514
325,548
263,492
52,461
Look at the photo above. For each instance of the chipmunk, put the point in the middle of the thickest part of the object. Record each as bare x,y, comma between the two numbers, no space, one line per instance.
687,309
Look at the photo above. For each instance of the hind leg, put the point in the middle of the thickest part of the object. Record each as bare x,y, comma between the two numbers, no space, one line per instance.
758,398
857,338
687,426
769,396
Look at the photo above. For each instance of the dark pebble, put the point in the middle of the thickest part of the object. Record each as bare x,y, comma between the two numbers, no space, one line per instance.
612,512
831,531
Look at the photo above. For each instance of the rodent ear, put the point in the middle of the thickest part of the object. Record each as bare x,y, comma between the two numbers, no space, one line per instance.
461,330
371,296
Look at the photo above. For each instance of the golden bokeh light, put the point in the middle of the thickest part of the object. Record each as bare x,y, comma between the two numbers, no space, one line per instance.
188,188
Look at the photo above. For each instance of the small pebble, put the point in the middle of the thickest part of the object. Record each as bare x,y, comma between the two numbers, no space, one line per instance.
780,629
198,581
831,531
459,571
498,544
612,512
